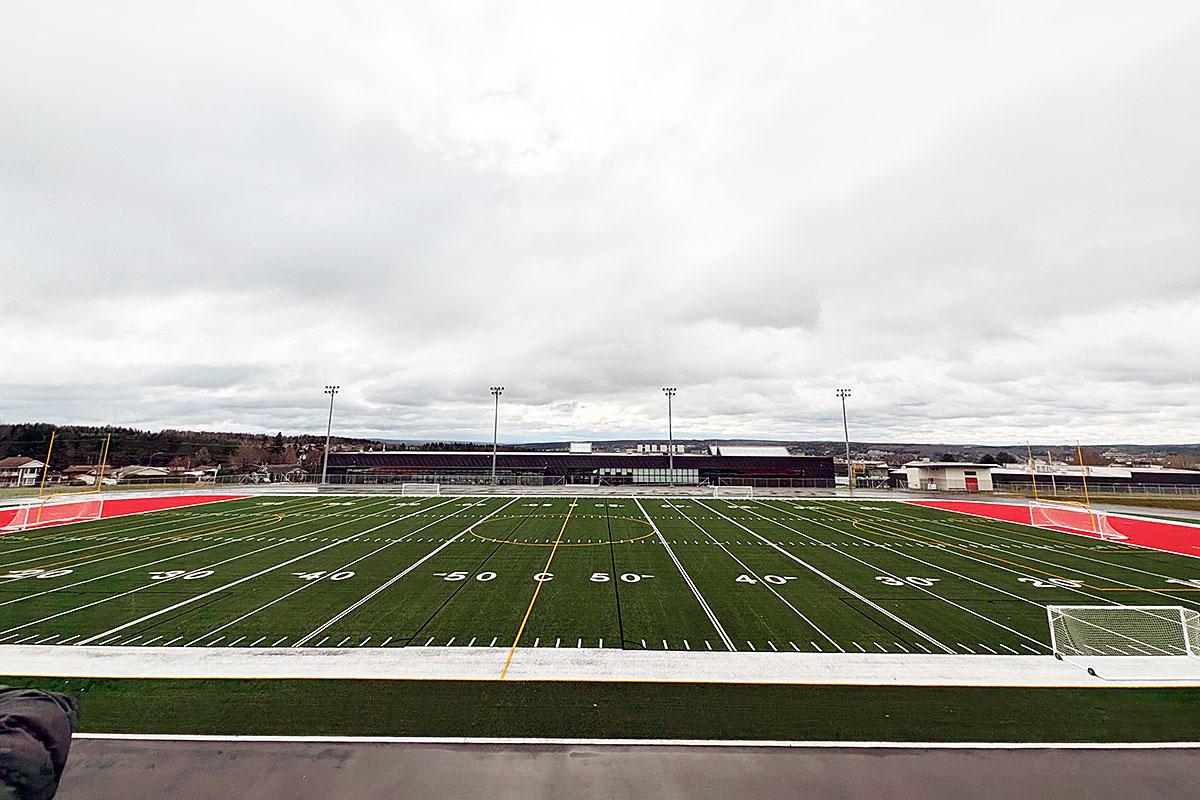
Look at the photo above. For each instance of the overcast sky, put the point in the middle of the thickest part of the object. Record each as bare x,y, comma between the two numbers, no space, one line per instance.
982,217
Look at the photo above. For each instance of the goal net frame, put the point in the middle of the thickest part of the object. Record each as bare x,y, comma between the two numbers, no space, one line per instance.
48,512
413,489
733,492
1073,517
1077,631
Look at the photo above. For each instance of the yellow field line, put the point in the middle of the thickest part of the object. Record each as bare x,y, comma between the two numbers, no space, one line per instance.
512,650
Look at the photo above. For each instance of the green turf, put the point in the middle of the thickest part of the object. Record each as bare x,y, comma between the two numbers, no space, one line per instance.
371,571
622,710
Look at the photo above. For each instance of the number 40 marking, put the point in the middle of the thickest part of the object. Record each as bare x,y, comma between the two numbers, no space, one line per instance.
778,580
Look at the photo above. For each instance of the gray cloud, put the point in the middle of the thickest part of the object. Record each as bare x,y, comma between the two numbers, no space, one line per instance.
986,219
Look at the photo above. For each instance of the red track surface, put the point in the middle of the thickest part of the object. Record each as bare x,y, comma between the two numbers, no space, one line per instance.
1170,537
124,506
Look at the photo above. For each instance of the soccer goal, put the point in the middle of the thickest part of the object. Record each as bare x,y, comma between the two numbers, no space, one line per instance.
733,491
52,512
1124,630
420,489
1076,518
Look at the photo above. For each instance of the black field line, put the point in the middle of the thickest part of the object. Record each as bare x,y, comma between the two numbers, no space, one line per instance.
64,587
1067,554
969,557
258,574
1002,530
757,577
1043,606
612,554
167,580
826,576
163,519
114,542
949,571
281,598
395,578
146,586
463,584
309,584
688,579
929,564
922,589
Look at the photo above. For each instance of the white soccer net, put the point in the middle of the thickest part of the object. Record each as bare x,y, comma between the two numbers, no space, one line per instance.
48,512
1124,630
733,491
1075,518
420,489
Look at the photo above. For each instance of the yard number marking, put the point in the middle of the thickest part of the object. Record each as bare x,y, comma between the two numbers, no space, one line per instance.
460,575
34,573
778,580
889,580
316,576
627,577
1051,583
180,573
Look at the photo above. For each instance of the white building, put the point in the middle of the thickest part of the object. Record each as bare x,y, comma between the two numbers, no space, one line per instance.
949,476
20,471
749,450
655,448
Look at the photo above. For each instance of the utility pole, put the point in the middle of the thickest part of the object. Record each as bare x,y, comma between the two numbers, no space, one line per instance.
669,391
496,392
331,391
843,394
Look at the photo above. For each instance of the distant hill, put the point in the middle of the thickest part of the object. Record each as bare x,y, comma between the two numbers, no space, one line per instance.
78,444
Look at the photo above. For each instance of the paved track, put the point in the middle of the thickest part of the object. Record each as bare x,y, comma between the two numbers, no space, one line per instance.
129,770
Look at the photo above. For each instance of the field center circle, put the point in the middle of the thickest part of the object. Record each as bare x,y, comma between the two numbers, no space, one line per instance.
473,530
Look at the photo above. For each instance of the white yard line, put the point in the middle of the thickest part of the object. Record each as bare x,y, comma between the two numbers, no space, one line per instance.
912,522
58,538
828,577
209,519
1001,567
1074,533
143,565
246,578
688,579
757,577
388,583
281,598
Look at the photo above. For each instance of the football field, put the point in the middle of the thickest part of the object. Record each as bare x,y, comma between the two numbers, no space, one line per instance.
673,574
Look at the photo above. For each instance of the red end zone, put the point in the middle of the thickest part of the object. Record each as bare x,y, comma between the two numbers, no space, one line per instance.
124,506
1170,537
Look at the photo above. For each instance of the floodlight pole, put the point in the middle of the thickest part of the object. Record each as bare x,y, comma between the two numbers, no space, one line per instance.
843,394
669,391
496,392
331,391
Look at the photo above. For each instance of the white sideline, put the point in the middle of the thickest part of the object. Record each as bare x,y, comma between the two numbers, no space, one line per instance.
558,664
481,740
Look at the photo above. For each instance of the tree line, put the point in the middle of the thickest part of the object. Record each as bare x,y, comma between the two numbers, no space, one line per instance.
239,452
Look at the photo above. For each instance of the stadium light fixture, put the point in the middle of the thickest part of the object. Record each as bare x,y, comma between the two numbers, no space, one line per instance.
331,391
843,394
669,391
496,392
